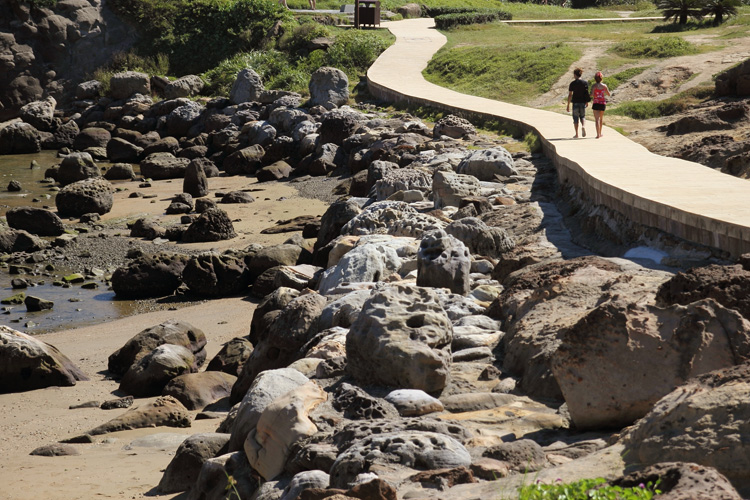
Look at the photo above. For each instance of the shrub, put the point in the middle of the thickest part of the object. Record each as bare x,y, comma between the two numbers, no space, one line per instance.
448,21
681,10
355,50
131,61
587,489
296,38
721,9
644,110
663,46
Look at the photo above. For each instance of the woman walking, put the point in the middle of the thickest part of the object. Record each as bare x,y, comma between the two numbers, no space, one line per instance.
599,91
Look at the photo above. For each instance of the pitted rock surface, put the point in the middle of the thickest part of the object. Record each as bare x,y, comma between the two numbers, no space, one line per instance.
488,164
404,179
149,275
356,404
443,262
215,275
212,225
480,238
93,195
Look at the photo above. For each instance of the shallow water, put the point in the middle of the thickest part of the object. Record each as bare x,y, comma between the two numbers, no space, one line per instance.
74,306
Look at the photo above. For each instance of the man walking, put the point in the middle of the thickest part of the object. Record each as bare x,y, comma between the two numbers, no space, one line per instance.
578,95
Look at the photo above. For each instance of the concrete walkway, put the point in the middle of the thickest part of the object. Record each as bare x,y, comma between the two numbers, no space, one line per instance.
679,197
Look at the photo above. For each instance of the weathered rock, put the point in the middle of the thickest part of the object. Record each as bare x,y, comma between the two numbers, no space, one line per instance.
159,166
727,285
337,125
453,126
150,374
405,179
275,172
19,138
120,171
93,195
213,480
120,150
443,262
196,181
183,470
521,456
231,357
35,220
365,263
181,204
266,258
681,481
488,164
282,423
186,86
170,332
197,390
182,118
329,87
150,275
148,228
247,87
480,238
35,304
238,197
216,275
55,450
76,167
41,114
30,364
356,404
391,217
259,132
245,161
449,188
283,342
63,137
212,225
165,410
401,338
418,450
92,137
413,403
127,83
14,240
304,481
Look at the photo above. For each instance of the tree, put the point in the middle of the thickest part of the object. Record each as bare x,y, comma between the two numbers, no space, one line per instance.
680,10
721,9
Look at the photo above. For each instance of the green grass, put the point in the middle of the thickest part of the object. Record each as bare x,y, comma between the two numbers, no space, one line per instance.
512,73
586,489
644,110
614,81
660,47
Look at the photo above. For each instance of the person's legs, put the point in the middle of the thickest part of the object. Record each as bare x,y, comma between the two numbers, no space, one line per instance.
578,109
598,122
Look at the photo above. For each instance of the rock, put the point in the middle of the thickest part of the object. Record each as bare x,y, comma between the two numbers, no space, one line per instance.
668,345
275,172
215,275
150,374
40,114
181,119
238,197
337,125
35,220
165,410
282,343
266,387
125,84
119,403
63,137
329,87
231,357
522,456
304,481
159,166
120,150
734,81
180,204
93,195
276,255
212,225
35,304
699,422
196,181
480,238
356,404
14,186
147,228
413,403
245,161
14,240
120,171
186,86
410,10
283,422
727,285
170,332
449,188
158,145
198,390
401,338
19,138
417,450
90,89
681,481
453,126
443,262
213,480
365,263
92,137
488,164
183,470
150,275
30,364
404,179
391,217
247,87
76,167
55,450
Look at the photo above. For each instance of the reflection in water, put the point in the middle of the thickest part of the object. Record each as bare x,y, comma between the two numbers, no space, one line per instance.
17,167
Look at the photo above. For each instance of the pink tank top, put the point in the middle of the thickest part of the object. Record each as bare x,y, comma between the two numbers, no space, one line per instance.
599,97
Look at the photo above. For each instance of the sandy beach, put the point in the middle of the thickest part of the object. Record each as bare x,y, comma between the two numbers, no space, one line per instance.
129,464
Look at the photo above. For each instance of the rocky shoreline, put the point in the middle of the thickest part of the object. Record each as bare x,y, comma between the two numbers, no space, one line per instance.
432,332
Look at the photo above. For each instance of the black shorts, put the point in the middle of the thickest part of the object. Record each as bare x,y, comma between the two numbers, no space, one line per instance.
598,107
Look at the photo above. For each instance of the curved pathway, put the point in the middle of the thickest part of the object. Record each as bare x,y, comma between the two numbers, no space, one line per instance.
679,197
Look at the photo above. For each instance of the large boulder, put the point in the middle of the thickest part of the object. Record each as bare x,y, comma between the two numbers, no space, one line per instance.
337,125
727,285
29,364
197,390
183,470
213,225
681,481
120,150
701,422
481,239
125,84
41,114
92,137
163,411
488,164
391,217
18,240
215,476
401,338
88,196
365,263
450,188
656,350
283,341
186,86
231,357
245,161
247,87
76,167
150,374
453,126
182,118
196,181
443,262
170,332
149,275
329,87
19,138
403,179
35,220
216,275
163,166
